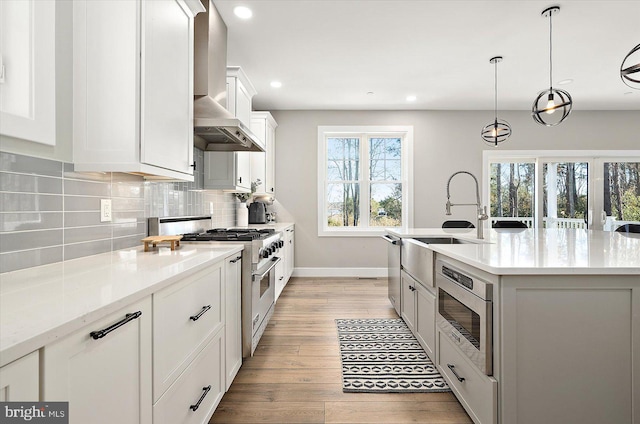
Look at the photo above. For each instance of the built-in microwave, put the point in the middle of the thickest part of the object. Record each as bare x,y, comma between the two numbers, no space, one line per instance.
465,313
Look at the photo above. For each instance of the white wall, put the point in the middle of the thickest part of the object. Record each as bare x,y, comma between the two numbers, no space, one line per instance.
444,142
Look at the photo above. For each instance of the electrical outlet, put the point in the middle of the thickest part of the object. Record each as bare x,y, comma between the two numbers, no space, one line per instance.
105,210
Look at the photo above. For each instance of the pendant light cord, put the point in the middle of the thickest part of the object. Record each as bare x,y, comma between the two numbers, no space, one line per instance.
550,52
496,91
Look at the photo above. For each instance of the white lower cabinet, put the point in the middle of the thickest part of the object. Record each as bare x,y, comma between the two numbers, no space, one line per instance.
408,305
195,395
418,310
185,316
20,379
280,278
477,392
289,256
104,369
233,318
425,315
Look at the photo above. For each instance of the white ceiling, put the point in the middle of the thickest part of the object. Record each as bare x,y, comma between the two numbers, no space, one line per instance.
328,54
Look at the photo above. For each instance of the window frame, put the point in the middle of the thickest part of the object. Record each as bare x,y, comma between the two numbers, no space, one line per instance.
595,159
365,132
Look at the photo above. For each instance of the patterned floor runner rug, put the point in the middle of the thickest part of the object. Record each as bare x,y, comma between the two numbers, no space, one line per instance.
382,356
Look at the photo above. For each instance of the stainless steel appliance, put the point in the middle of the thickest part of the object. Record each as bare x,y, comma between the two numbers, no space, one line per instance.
257,213
465,313
215,128
259,259
393,264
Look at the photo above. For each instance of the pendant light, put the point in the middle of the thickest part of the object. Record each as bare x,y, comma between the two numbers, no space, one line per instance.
552,106
498,130
630,74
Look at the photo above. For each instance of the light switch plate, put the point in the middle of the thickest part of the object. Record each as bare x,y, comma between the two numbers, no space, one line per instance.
105,210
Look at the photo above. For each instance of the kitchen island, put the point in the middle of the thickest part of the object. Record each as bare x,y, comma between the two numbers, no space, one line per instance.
564,324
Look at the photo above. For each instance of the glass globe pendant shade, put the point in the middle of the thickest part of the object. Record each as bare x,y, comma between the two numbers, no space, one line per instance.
496,132
630,71
551,107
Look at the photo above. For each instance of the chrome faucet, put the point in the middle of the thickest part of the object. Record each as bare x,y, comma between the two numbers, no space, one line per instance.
481,211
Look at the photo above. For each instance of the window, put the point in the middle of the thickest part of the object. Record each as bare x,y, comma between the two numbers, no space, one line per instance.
564,189
364,179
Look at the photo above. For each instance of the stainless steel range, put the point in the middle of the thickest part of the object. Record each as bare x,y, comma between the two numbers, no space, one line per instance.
259,258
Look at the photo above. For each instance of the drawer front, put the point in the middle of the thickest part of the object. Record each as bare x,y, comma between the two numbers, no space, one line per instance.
206,371
19,380
477,393
185,315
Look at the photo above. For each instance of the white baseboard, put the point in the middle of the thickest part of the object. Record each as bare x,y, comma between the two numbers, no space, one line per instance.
341,272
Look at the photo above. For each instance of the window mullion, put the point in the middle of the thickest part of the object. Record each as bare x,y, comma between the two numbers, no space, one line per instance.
364,180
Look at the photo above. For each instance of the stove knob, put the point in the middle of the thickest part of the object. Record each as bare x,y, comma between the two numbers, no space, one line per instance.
265,253
280,243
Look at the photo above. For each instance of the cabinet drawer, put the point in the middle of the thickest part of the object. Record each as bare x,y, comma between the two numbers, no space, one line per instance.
185,315
478,393
174,407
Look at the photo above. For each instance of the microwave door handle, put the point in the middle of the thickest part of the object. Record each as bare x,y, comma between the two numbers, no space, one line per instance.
259,274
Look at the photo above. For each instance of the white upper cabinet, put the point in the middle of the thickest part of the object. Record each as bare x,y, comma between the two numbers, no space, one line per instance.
229,171
240,93
27,70
133,86
263,163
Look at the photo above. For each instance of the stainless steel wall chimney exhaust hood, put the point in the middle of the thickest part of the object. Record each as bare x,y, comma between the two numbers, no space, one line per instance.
215,128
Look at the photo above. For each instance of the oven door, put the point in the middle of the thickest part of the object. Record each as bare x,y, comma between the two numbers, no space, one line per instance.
263,292
467,320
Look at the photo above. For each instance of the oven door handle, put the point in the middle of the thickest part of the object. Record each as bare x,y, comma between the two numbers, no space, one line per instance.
259,274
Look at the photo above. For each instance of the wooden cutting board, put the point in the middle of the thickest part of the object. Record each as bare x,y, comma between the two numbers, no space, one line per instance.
155,240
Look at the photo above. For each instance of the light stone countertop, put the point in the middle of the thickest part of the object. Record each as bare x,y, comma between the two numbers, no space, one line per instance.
278,226
539,251
41,304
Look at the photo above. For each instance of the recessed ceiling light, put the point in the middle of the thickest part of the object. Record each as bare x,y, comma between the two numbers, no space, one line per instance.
276,84
628,92
243,12
370,93
411,98
565,81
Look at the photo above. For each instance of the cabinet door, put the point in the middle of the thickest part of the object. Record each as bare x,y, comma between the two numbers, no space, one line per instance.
19,380
233,318
290,241
425,326
280,278
408,304
227,171
167,86
106,82
106,380
263,163
27,70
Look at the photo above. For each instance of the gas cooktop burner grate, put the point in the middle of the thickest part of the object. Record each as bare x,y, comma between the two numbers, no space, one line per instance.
232,234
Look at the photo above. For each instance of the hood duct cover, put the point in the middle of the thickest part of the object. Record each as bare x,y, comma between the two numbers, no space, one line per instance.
215,128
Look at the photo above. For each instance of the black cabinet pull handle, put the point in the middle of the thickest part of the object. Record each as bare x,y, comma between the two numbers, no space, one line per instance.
196,317
193,165
240,179
197,405
452,368
127,318
233,261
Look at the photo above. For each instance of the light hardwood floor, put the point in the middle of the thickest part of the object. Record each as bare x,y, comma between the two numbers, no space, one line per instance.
294,376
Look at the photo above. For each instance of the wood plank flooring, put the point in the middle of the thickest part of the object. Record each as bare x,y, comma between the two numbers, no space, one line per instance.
294,376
